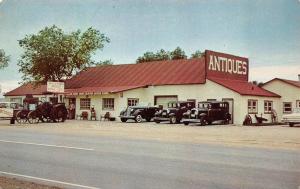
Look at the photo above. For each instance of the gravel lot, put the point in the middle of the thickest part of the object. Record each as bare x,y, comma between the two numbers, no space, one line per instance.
234,135
11,183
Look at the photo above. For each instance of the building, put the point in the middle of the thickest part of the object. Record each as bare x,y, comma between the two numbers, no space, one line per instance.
215,76
40,91
288,90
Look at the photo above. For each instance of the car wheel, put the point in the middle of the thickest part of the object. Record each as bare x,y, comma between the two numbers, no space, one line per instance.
123,119
157,121
138,119
186,123
291,124
148,119
203,122
173,120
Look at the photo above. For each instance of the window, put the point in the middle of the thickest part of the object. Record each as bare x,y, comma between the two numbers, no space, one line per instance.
297,103
85,103
268,106
108,104
287,107
252,106
132,101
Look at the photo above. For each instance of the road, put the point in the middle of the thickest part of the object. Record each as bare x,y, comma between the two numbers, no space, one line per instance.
87,161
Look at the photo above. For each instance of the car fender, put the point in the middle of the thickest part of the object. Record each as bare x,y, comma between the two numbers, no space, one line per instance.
203,115
172,114
137,112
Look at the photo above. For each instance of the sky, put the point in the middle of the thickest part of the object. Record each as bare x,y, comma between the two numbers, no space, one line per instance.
265,31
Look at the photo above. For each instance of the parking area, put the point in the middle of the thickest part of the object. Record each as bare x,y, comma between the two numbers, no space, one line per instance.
283,137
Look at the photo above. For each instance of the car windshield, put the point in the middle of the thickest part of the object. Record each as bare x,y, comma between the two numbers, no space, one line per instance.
172,105
203,105
296,110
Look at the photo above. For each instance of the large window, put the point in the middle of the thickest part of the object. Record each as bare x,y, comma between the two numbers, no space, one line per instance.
108,104
287,107
85,103
132,101
252,106
268,106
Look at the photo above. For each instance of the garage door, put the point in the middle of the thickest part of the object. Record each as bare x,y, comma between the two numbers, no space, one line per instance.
164,100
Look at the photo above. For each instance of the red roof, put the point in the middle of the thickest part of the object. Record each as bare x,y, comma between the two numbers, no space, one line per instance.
291,82
27,89
116,78
244,87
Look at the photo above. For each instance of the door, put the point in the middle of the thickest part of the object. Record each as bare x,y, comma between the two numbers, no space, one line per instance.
231,110
72,108
164,100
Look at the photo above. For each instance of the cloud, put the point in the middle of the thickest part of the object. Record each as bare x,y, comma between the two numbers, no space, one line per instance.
267,73
8,85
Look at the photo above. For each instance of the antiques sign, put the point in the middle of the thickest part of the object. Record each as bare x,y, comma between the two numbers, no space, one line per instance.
226,66
56,87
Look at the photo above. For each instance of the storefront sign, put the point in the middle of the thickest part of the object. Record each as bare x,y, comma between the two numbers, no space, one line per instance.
226,66
56,87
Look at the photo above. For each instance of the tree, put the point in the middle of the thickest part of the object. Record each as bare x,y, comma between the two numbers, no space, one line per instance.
53,55
104,63
197,54
178,53
3,59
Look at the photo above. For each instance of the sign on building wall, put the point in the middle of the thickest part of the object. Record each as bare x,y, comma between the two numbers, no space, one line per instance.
56,87
226,66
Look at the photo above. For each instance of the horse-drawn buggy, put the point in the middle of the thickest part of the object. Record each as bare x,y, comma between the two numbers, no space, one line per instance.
34,111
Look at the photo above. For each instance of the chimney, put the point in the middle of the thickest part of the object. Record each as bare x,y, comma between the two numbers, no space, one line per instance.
298,77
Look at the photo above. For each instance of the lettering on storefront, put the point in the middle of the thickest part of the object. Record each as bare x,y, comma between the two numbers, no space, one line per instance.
226,66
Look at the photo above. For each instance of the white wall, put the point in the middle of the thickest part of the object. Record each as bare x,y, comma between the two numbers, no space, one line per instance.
200,92
288,93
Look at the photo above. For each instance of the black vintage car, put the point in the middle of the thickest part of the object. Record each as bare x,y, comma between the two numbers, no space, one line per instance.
174,112
208,112
138,113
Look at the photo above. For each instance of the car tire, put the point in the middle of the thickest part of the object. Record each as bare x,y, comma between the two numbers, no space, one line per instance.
138,118
123,120
186,123
148,119
291,124
173,120
202,122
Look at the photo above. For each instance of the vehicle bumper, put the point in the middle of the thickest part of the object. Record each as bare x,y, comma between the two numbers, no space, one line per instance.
127,117
291,121
161,119
191,120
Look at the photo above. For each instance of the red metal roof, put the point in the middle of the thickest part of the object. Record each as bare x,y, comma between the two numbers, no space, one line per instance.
27,89
244,87
291,82
116,78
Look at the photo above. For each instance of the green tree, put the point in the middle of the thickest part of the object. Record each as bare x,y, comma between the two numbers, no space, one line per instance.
197,54
178,53
259,84
53,55
3,59
104,63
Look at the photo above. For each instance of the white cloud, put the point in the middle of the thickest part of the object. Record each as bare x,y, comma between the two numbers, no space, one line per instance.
267,73
1,1
8,85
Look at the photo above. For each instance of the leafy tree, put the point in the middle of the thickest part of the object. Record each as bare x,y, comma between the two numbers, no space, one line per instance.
178,53
104,63
3,59
197,54
53,55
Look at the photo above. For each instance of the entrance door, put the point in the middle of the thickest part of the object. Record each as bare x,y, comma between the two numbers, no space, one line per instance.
72,108
231,103
164,100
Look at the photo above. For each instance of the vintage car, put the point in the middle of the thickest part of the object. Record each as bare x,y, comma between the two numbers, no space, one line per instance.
208,112
138,113
293,118
174,112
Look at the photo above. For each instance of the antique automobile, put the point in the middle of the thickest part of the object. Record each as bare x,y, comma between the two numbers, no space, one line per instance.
138,113
208,112
174,112
293,118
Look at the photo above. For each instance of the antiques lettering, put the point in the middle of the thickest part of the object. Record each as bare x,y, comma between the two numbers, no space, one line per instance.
232,66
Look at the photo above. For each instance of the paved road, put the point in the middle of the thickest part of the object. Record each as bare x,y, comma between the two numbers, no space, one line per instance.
104,162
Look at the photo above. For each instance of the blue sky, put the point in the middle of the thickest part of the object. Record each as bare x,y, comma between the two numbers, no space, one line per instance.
265,31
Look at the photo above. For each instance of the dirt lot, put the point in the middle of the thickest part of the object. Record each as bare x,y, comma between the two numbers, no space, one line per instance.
252,136
11,183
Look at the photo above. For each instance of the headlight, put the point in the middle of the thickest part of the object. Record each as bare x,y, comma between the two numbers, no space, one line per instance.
168,111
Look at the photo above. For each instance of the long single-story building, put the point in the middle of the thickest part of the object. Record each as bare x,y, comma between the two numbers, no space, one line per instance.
215,76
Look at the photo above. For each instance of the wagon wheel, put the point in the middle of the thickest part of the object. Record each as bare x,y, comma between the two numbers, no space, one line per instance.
32,117
44,119
20,118
59,117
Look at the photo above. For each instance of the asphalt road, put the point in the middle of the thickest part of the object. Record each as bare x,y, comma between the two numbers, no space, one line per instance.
109,163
